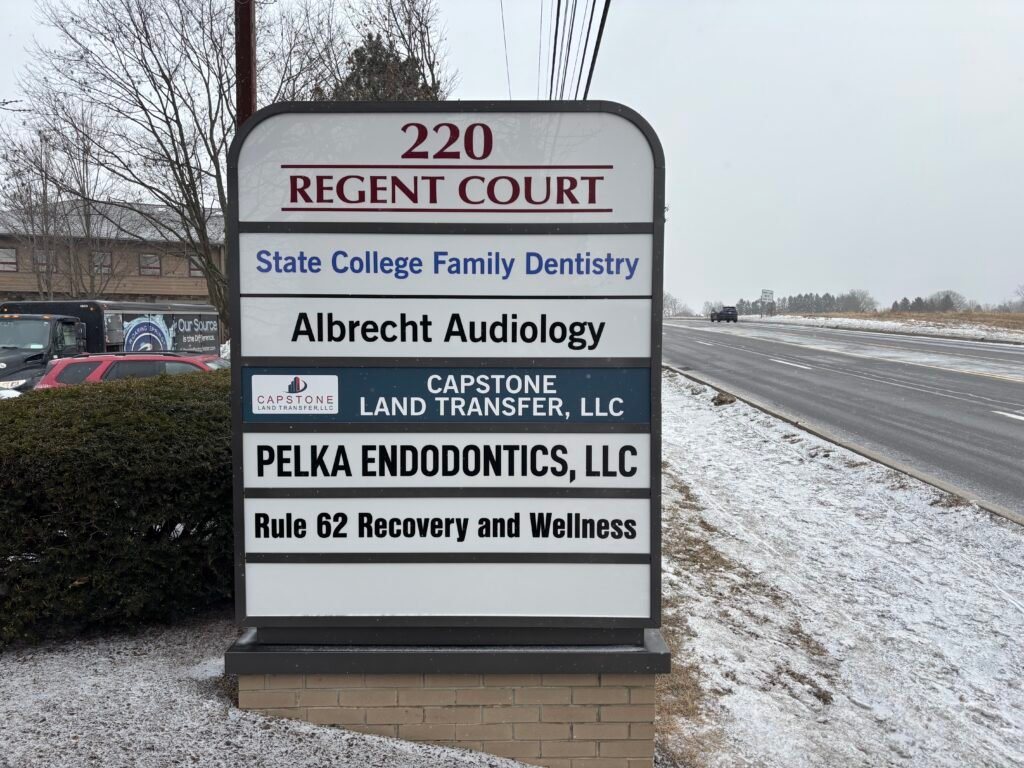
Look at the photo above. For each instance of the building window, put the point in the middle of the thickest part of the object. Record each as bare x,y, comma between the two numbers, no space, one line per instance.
102,262
8,260
149,264
194,269
44,261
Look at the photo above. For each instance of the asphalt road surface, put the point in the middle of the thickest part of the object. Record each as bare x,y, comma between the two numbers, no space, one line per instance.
950,409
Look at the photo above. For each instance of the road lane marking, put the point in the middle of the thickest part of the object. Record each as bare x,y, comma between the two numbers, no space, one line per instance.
795,365
894,338
1010,415
878,379
846,353
705,343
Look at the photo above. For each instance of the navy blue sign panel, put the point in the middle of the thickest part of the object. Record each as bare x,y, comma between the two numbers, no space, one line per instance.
468,395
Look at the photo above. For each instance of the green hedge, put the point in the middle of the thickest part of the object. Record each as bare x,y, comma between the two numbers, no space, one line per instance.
115,504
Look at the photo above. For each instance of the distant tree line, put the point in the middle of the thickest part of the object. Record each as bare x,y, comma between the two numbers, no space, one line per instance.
673,307
860,301
856,300
943,301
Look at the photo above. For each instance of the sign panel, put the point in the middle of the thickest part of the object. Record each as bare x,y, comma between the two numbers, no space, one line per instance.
518,166
354,263
446,460
446,360
447,395
442,328
484,590
356,526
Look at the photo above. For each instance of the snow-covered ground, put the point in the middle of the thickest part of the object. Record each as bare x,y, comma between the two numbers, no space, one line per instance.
825,611
159,700
837,613
919,327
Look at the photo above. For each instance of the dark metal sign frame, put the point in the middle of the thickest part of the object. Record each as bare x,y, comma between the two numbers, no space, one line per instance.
451,624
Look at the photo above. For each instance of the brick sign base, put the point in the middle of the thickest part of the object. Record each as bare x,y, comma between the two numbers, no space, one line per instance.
555,720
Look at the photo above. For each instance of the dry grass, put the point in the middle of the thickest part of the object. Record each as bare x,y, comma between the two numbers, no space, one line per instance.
723,398
1012,321
688,731
681,698
945,500
897,481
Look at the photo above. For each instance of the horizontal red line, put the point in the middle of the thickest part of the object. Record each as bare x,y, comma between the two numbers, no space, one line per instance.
482,167
456,210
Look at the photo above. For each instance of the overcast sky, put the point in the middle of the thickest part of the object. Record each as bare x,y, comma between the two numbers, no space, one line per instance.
812,145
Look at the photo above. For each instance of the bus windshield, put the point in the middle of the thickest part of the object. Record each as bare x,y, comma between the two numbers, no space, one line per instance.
18,333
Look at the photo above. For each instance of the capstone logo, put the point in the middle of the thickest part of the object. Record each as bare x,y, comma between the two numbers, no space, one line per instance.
273,394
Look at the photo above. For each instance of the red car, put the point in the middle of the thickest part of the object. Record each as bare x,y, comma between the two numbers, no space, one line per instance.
110,366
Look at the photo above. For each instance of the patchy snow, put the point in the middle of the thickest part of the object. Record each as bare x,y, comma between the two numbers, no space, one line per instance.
917,327
159,700
837,612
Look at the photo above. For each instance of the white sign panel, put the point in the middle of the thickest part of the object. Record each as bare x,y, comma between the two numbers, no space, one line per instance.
447,525
448,589
281,395
467,265
445,328
557,168
469,460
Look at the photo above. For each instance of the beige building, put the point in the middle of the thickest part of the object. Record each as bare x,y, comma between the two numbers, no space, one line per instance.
120,255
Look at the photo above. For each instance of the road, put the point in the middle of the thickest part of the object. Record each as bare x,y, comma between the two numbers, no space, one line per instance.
952,410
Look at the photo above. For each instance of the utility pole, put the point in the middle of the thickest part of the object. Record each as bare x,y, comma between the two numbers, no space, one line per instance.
45,280
245,59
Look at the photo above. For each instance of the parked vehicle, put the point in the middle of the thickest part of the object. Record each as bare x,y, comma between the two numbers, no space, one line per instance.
124,365
33,333
725,315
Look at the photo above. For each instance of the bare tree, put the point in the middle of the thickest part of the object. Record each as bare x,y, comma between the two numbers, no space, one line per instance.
30,200
856,300
414,28
50,205
307,45
670,304
948,301
161,76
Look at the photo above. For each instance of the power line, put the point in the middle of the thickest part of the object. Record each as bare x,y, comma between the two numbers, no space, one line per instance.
568,50
561,53
579,53
540,44
551,37
579,79
554,42
597,47
504,37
